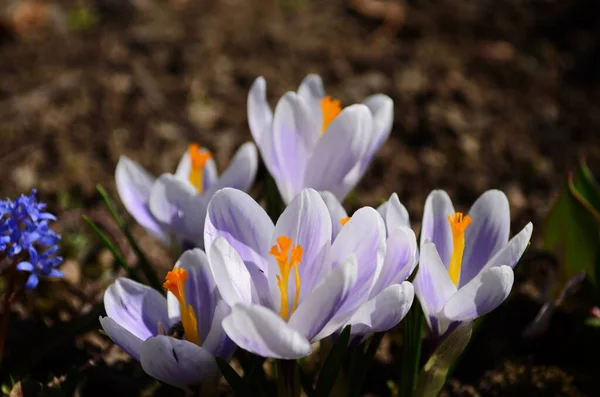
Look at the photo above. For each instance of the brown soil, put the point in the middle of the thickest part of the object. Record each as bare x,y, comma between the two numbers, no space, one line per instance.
488,94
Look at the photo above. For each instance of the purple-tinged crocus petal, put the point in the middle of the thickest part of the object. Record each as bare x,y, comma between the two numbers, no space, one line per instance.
396,214
177,362
487,233
127,341
293,140
400,259
382,109
235,215
337,213
339,150
306,221
184,168
260,115
200,287
433,286
312,92
241,171
179,209
134,184
384,311
261,331
324,300
217,342
136,307
510,254
436,228
364,236
481,295
230,273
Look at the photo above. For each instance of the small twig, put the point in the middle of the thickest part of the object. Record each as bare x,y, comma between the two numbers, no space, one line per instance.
392,13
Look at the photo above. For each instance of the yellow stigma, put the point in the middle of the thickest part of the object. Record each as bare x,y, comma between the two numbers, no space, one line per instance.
330,109
286,263
175,282
458,224
198,158
345,220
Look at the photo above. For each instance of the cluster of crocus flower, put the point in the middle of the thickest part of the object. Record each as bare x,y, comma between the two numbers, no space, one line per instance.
275,288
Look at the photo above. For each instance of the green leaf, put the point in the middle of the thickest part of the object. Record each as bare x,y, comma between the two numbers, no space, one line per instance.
410,358
572,228
144,263
361,363
433,375
587,187
239,385
332,364
113,249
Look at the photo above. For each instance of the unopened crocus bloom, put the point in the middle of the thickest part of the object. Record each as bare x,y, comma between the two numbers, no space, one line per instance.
310,141
25,237
174,338
172,208
466,261
288,285
392,296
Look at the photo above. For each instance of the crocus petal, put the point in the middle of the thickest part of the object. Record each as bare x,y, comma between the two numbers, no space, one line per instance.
396,214
200,287
382,109
179,209
432,283
230,273
363,236
217,342
306,221
235,215
241,171
481,295
337,212
400,259
436,228
134,184
312,92
324,300
184,168
293,140
261,331
177,362
339,150
127,341
487,233
510,254
260,115
136,307
385,311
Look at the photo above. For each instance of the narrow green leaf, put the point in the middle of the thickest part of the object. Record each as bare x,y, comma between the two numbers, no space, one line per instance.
239,385
113,249
149,272
410,358
361,363
587,186
332,364
433,375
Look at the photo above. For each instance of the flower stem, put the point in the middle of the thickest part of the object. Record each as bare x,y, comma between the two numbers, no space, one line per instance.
12,275
288,378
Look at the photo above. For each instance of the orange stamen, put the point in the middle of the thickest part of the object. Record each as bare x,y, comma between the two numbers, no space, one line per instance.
458,224
286,263
330,108
175,283
198,158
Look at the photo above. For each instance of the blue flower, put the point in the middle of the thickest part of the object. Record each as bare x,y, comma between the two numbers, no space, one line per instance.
26,235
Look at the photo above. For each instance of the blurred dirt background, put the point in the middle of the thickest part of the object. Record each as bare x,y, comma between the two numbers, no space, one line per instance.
488,94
